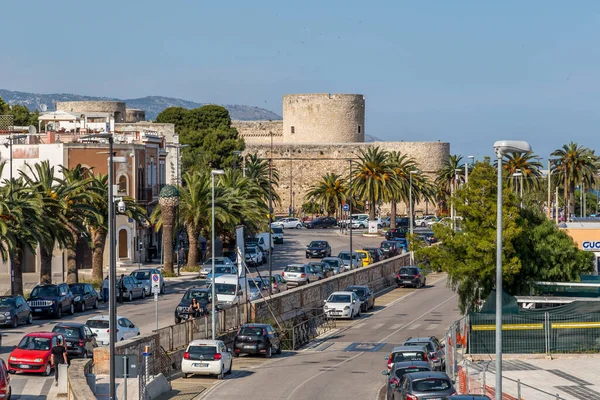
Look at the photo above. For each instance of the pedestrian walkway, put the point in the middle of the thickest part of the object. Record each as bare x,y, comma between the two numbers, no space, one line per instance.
102,388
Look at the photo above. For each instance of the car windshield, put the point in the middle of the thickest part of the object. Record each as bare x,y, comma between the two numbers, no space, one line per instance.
225,288
339,298
253,284
223,270
251,331
196,294
408,356
318,244
386,245
358,291
277,229
251,250
202,350
362,255
400,372
431,385
218,261
294,268
344,256
141,275
408,271
68,331
34,343
97,323
7,302
44,291
333,263
428,345
317,267
77,289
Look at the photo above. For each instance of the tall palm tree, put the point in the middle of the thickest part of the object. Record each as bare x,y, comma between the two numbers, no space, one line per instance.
449,177
329,193
525,164
257,169
402,166
574,165
373,180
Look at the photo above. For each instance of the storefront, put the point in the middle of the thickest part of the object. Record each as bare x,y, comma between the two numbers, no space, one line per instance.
587,237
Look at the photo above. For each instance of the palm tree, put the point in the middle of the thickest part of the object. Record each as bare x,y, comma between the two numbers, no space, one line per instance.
374,179
329,193
402,165
523,163
574,165
449,177
257,169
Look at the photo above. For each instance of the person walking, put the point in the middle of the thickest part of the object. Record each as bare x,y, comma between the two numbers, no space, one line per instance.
180,258
105,290
58,356
122,288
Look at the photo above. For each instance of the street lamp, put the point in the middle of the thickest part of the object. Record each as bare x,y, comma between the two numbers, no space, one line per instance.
518,174
502,148
179,165
467,169
410,210
212,176
452,211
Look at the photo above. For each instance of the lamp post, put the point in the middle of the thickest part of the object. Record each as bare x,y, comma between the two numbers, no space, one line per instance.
270,217
179,165
212,176
549,188
519,174
467,169
452,210
410,210
501,148
350,210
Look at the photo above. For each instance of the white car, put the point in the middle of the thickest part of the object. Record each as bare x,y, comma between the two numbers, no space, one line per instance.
364,223
207,266
206,357
289,223
342,305
99,325
424,220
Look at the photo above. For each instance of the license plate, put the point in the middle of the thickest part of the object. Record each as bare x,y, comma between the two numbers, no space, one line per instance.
37,310
25,366
409,282
249,347
200,365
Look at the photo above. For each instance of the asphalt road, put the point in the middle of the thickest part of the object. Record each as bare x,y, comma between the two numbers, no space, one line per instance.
349,363
142,312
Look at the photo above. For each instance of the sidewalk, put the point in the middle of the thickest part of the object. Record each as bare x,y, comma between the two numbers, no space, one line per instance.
540,379
102,388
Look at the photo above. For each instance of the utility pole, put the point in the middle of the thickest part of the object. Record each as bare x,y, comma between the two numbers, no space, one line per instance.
271,249
350,211
549,190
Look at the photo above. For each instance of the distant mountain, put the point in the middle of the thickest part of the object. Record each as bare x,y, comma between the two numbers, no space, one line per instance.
370,139
153,105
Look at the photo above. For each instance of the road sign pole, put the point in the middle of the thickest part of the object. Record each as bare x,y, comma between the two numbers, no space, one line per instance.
125,377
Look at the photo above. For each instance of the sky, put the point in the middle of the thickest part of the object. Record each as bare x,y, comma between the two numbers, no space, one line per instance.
466,72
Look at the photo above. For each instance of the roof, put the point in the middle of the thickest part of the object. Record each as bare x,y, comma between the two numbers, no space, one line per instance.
407,348
342,292
58,116
405,364
104,317
204,341
427,374
73,324
44,334
257,325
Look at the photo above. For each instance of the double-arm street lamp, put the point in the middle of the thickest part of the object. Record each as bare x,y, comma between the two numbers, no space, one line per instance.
212,255
502,148
179,165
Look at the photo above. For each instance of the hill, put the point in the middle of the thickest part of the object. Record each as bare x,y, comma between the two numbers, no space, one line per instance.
153,105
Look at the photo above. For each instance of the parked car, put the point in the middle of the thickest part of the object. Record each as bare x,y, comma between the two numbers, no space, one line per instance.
231,290
365,295
322,269
206,357
14,310
422,221
365,257
204,298
402,243
400,369
299,274
342,304
5,389
318,248
348,262
258,287
207,265
469,397
390,234
389,248
221,270
85,296
360,222
133,288
278,283
99,325
322,223
335,264
411,276
429,237
52,300
437,355
80,339
263,242
229,254
277,233
256,339
386,221
425,385
408,354
289,223
434,221
355,217
376,253
144,275
403,222
32,354
254,256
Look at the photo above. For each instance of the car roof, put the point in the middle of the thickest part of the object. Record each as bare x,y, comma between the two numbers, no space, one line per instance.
296,265
419,339
44,334
203,341
342,292
48,284
427,374
199,289
104,317
331,258
255,325
389,241
360,251
356,286
407,348
71,324
405,364
145,269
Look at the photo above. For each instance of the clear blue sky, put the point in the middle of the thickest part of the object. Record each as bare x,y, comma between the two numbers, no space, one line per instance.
467,72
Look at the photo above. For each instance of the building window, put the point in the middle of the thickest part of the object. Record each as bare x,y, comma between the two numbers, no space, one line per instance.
122,185
293,130
162,173
359,129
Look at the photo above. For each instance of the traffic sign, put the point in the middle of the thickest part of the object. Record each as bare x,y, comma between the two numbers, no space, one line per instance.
346,207
155,283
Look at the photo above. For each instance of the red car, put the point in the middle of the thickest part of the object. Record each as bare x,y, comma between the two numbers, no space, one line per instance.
32,354
5,390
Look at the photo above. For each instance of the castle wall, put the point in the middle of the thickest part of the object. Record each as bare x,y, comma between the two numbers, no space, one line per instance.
323,118
309,162
117,108
134,115
259,132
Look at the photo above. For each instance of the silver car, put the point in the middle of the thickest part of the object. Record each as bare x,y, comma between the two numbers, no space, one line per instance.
299,274
335,264
425,385
132,288
258,288
345,257
144,275
207,266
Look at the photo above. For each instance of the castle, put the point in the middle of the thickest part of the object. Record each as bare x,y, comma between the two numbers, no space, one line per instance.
318,134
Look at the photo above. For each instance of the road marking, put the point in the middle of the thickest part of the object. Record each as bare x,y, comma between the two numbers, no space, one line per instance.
360,325
431,327
395,326
415,326
376,326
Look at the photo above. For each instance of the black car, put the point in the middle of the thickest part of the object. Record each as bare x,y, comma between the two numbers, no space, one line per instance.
322,222
319,249
411,276
14,310
395,233
202,295
376,253
256,339
402,222
365,295
52,300
80,339
85,296
400,369
389,248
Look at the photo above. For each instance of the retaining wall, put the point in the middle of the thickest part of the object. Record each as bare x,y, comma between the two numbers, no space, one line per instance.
78,388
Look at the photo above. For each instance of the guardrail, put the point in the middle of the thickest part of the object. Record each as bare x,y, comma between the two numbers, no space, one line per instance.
303,332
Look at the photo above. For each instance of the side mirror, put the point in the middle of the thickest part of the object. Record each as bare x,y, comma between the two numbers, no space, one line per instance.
393,385
228,350
353,301
63,294
94,335
386,373
132,326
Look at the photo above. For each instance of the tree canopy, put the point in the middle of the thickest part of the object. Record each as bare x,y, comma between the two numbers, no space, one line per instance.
21,114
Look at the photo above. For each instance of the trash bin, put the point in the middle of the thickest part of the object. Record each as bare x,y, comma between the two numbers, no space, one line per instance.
91,381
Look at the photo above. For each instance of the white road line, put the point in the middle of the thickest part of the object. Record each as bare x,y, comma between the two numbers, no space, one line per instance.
432,327
377,326
360,325
395,326
415,326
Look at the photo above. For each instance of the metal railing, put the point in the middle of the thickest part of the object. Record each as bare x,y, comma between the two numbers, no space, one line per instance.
303,332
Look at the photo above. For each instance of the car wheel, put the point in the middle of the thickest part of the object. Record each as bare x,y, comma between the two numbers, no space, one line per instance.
177,320
72,309
162,289
236,354
423,225
359,311
278,349
220,374
59,312
298,226
82,306
96,304
12,371
424,282
30,319
143,294
47,370
230,368
130,297
15,322
185,376
269,352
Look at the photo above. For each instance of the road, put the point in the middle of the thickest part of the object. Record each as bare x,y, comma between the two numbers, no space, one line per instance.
353,354
142,312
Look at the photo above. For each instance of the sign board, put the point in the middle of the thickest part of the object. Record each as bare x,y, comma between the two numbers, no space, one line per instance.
372,226
346,207
155,283
590,245
131,364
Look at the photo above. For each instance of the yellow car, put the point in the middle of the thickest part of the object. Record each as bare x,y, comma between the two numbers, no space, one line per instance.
365,256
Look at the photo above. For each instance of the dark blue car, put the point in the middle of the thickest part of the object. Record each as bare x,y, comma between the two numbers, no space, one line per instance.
402,242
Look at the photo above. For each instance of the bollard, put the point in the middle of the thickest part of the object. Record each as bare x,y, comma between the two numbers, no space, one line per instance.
62,378
519,389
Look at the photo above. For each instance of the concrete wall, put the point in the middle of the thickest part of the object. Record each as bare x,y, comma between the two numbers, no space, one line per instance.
294,302
77,386
117,108
133,115
296,177
259,132
323,118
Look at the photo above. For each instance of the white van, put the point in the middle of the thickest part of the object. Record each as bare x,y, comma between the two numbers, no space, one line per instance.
231,289
263,239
